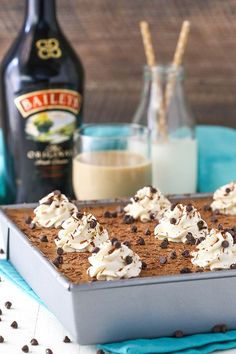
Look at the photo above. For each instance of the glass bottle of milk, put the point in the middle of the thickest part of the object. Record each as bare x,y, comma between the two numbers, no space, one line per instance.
163,108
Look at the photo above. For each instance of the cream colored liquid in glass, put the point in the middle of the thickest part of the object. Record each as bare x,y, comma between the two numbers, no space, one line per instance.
109,174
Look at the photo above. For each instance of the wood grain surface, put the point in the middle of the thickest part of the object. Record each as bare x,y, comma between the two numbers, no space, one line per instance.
106,35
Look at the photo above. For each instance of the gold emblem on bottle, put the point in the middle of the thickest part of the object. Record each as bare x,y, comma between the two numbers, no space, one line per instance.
48,48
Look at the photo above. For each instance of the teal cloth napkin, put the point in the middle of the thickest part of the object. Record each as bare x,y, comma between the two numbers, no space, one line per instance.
195,344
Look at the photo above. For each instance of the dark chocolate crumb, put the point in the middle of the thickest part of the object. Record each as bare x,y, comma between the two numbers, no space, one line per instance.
128,259
227,190
113,240
14,325
199,240
117,244
114,214
140,241
59,259
66,339
233,266
152,216
28,220
219,328
178,334
93,223
152,189
136,199
128,219
79,215
96,250
1,339
185,253
25,349
189,208
185,270
56,263
0,312
1,251
8,305
127,243
207,207
147,232
200,225
134,228
173,221
190,239
144,265
44,238
163,260
34,342
220,227
173,255
164,244
107,214
60,251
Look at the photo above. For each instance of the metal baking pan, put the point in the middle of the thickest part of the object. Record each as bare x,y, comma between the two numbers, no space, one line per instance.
101,311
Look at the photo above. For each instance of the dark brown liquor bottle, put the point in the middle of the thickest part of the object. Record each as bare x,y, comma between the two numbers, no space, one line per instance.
42,83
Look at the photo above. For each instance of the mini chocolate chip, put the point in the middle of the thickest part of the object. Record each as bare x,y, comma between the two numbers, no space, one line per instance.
164,243
128,259
147,232
128,219
28,220
113,240
8,305
214,219
34,342
227,190
190,239
225,244
127,243
57,192
144,265
60,251
199,240
163,260
114,214
140,241
14,325
219,328
59,259
173,221
100,351
49,351
152,189
173,206
220,227
107,214
25,349
185,253
0,312
207,207
32,226
79,215
199,270
200,225
152,216
56,263
117,244
178,334
96,250
1,251
189,208
44,238
136,199
134,228
216,212
185,270
1,339
233,266
66,339
173,255
93,223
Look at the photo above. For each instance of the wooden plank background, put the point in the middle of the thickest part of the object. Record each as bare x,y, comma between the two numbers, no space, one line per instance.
105,33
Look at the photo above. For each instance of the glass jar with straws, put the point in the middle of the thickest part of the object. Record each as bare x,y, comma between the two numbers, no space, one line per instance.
164,109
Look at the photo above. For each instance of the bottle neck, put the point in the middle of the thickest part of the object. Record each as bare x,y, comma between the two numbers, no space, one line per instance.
40,12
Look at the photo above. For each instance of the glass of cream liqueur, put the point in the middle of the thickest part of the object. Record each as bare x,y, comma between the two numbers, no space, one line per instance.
111,160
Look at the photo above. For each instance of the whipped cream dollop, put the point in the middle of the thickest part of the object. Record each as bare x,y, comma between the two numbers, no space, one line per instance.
147,204
181,224
81,233
217,251
53,210
225,199
113,261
